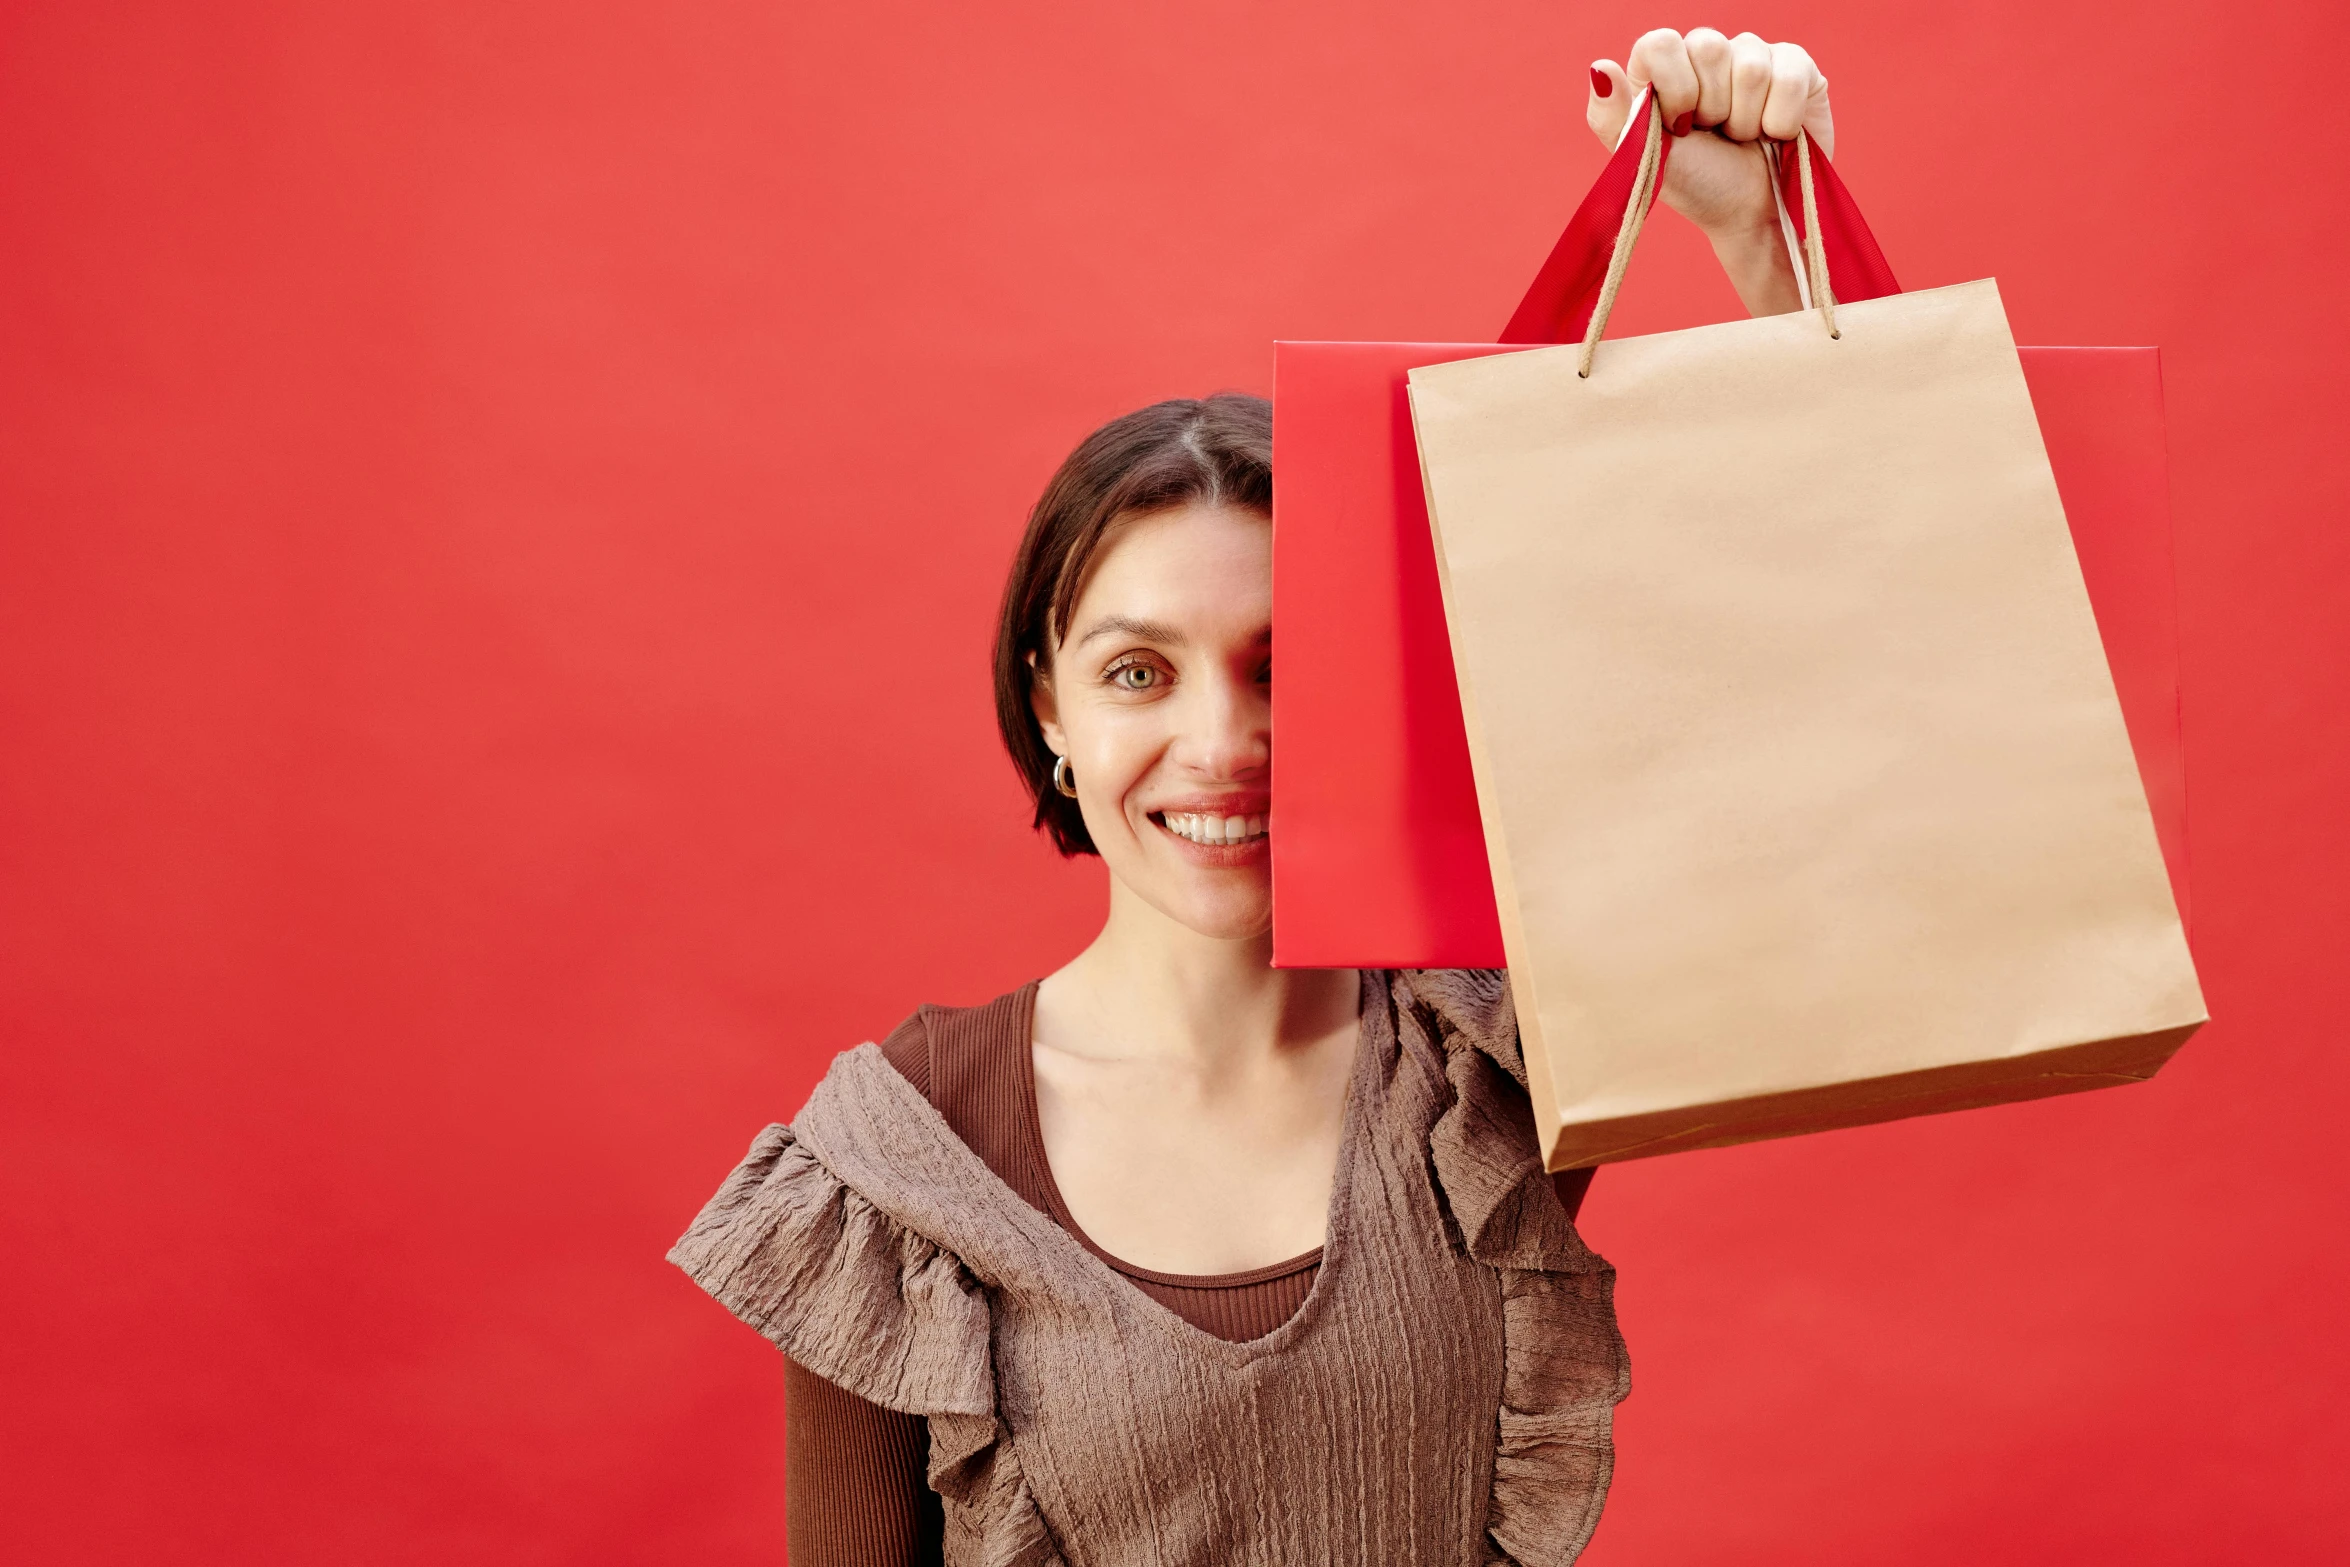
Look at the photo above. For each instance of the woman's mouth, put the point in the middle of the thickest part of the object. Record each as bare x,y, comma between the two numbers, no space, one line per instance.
1210,830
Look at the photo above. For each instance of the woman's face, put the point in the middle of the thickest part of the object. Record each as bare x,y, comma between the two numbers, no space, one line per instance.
1161,697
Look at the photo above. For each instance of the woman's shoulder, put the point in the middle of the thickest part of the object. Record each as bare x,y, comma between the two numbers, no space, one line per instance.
1464,1010
940,1050
1483,1147
845,1236
800,1243
973,1065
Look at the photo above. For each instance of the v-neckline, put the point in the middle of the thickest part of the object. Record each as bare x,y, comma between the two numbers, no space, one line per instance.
1040,1170
1041,1230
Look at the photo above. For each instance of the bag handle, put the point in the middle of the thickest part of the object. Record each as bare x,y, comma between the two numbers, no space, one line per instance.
1565,294
1822,295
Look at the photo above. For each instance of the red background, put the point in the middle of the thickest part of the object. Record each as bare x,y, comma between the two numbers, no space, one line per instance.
500,509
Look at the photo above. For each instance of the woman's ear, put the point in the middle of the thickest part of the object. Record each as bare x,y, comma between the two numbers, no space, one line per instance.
1045,706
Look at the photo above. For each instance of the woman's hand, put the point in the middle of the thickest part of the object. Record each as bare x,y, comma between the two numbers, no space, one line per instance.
1723,98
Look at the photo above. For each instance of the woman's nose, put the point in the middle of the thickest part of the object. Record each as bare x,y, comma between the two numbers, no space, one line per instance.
1228,728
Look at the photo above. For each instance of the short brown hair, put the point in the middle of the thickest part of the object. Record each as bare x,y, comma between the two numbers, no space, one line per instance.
1210,450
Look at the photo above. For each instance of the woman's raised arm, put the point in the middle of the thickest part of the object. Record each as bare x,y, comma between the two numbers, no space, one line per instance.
1723,97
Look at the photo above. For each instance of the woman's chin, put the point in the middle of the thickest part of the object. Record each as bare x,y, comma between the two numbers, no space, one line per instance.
1226,924
1221,905
1226,908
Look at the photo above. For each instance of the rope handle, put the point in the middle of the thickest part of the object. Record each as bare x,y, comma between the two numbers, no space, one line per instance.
1644,190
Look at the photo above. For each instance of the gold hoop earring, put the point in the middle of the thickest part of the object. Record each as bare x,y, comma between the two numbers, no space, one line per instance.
1061,779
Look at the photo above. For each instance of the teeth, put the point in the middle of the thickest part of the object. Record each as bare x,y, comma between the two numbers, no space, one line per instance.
1201,827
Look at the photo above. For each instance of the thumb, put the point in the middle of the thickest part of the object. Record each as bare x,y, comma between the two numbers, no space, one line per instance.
1611,102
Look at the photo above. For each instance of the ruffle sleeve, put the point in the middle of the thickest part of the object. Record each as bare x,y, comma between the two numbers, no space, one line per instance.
879,1310
864,1303
1564,1364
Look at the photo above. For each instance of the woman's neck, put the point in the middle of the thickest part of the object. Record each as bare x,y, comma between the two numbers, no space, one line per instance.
1149,986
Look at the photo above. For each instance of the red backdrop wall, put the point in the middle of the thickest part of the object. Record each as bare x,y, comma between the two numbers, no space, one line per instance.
500,508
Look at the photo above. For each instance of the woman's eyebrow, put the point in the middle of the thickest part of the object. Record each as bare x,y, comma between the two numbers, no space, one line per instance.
1127,625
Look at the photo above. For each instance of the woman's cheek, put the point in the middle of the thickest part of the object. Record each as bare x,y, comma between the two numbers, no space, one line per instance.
1101,753
1128,736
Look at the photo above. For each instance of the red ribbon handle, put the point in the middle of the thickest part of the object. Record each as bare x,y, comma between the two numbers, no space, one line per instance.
1557,308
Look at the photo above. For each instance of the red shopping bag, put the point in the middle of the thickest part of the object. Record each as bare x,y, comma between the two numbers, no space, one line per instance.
1379,853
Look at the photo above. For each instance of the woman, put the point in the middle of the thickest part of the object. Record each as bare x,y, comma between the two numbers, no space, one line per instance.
1174,1256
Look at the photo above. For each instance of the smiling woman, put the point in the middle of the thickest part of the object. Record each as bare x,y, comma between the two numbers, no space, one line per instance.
1266,1192
1215,454
1179,696
1174,1256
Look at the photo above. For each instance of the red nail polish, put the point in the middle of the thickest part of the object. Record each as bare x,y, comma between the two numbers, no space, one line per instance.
1681,125
1600,85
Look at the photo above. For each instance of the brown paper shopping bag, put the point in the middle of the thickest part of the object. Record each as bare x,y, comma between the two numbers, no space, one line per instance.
1806,791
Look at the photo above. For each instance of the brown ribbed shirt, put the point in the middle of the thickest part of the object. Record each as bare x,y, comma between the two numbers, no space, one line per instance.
854,1479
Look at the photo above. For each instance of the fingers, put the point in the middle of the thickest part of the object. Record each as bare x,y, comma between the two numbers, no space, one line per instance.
1709,57
1798,99
1750,87
1612,93
1742,87
1661,60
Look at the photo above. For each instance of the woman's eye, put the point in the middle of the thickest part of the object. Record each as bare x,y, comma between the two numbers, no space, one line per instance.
1134,677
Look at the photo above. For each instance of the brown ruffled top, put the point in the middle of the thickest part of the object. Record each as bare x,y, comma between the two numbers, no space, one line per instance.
1444,1393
